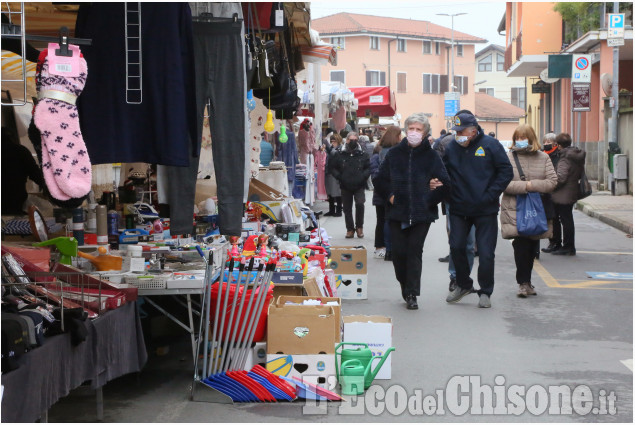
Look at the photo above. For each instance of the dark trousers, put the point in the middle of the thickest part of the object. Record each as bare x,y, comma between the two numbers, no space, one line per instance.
380,239
564,228
335,200
407,249
524,254
220,71
359,196
486,232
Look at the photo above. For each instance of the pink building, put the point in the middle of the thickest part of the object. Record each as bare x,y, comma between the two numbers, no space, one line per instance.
412,57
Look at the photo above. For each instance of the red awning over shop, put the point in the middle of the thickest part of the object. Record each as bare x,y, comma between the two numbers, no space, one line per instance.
375,101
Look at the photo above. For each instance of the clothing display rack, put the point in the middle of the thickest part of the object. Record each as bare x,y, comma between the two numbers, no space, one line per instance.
134,56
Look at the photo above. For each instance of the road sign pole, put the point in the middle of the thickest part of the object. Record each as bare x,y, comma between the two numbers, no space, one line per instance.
615,88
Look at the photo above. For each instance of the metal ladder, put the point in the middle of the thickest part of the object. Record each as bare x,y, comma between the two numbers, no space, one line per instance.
134,59
14,30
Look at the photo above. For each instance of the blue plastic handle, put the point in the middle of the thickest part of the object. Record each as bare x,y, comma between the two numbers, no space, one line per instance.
200,251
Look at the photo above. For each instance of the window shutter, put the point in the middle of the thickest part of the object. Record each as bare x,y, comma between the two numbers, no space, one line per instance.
382,78
514,96
464,85
368,78
444,83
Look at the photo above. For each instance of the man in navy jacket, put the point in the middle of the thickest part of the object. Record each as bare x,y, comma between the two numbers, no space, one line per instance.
479,171
404,180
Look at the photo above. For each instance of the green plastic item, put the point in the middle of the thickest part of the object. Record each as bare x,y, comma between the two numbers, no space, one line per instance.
364,356
67,247
352,377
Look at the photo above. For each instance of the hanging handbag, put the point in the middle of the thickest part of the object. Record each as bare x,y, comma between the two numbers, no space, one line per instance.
296,52
530,213
261,78
251,58
584,188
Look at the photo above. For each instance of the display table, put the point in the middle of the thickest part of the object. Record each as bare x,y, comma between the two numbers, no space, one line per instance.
114,347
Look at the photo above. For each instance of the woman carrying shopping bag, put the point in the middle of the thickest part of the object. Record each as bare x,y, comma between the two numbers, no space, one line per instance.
533,173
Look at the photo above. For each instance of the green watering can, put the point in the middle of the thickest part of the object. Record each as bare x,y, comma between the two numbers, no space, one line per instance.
355,360
65,245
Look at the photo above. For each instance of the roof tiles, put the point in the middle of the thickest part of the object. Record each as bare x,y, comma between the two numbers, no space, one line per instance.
487,106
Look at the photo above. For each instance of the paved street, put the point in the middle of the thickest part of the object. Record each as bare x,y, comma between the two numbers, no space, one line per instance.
577,331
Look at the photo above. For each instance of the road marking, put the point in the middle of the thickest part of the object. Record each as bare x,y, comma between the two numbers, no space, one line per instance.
549,280
628,363
552,282
604,253
610,275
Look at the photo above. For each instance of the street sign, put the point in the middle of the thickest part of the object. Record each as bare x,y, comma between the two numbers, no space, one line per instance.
580,97
559,66
616,25
614,42
581,69
541,87
452,103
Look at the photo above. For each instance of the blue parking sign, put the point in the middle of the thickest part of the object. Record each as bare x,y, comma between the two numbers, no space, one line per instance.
616,25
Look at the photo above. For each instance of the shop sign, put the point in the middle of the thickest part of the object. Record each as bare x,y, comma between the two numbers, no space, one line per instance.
541,87
581,97
376,99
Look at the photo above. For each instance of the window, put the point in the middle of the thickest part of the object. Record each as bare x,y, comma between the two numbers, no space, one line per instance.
437,48
459,50
338,76
401,82
375,78
500,62
489,91
460,82
518,97
401,45
338,43
374,43
427,47
485,64
431,84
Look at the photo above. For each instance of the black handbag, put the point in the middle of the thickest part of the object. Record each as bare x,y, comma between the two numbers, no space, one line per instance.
584,188
261,76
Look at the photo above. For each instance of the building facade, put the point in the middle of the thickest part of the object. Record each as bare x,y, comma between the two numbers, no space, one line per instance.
490,77
412,57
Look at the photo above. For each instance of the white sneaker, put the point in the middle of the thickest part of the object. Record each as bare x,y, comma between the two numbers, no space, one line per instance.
380,253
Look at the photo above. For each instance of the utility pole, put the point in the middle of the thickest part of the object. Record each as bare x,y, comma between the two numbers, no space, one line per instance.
615,86
452,49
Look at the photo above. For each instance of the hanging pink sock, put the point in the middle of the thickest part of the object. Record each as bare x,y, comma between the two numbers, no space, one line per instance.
65,161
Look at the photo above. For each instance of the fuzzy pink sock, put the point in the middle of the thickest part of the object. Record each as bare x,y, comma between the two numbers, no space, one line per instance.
65,162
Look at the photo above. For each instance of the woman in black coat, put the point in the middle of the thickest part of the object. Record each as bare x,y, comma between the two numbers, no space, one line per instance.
403,180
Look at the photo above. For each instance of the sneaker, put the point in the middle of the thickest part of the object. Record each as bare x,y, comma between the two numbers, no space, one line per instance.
530,289
452,284
484,302
458,293
564,251
350,234
388,256
411,302
380,253
445,259
522,290
552,247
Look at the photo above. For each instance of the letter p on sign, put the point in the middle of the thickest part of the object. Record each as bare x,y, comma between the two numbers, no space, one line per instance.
616,25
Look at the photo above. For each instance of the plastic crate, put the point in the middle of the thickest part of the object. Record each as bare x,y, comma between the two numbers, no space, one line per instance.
149,282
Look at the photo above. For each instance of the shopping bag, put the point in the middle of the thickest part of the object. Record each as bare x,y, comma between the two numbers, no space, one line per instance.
530,215
584,188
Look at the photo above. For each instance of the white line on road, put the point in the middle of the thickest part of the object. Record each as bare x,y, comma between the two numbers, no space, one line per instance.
628,363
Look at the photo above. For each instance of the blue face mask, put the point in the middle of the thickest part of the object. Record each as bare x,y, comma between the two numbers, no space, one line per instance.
522,144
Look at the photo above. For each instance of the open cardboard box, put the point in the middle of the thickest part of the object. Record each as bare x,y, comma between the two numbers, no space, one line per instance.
294,329
284,299
349,259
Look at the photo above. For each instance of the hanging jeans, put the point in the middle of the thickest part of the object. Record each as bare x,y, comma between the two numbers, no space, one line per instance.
486,238
220,73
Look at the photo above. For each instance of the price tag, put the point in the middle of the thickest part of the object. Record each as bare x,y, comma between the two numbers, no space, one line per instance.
65,66
279,18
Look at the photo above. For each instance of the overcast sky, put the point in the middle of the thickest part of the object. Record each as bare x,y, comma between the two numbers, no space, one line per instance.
481,20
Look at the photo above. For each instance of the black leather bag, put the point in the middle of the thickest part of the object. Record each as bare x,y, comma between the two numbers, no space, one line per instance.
584,188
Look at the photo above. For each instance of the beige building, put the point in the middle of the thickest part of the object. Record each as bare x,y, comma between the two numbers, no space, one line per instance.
412,57
491,78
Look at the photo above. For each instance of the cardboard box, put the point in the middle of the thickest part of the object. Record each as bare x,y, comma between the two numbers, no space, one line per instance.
292,290
318,369
284,299
352,286
376,331
349,260
312,289
287,283
293,329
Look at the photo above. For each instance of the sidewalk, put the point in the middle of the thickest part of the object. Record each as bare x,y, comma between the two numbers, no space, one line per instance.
616,211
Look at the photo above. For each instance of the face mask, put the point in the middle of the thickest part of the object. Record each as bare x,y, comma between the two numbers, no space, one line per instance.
522,144
352,144
548,147
461,140
414,138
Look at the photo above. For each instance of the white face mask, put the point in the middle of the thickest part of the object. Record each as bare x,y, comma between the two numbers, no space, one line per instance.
462,140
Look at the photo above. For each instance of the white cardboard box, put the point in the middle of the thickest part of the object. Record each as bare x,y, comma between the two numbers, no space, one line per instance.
352,286
318,369
376,331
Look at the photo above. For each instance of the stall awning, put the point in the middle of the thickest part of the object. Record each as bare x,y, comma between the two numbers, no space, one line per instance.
319,54
379,101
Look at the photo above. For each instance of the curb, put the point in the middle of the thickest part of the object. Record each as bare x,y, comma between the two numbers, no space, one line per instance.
617,223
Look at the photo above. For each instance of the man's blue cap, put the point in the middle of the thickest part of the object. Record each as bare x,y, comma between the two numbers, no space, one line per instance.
463,120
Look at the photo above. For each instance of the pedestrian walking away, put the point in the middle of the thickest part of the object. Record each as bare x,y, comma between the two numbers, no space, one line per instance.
404,180
479,171
569,171
383,246
352,168
533,172
331,184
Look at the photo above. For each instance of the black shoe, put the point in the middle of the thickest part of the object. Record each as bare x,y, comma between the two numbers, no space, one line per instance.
329,214
388,256
445,259
411,303
552,247
564,251
452,285
337,214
